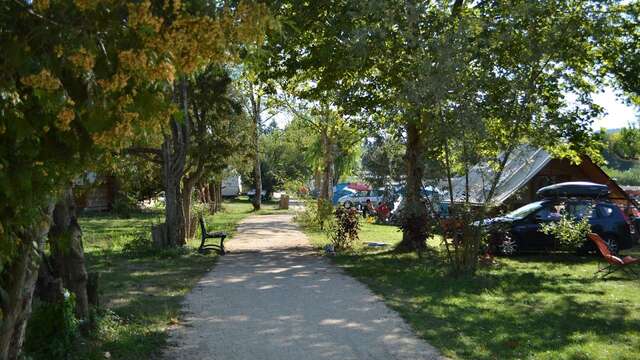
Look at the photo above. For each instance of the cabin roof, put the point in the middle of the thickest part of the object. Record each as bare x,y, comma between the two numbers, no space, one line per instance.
521,166
524,163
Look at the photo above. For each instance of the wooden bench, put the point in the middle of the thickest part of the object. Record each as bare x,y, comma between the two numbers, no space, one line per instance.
211,235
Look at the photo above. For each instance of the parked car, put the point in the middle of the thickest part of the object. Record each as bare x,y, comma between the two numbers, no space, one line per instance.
520,230
251,193
360,198
314,193
435,203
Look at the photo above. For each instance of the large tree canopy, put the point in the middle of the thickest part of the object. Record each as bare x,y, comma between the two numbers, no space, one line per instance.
463,81
623,48
80,78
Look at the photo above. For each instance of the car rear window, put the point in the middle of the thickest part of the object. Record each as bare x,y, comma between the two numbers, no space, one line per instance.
580,209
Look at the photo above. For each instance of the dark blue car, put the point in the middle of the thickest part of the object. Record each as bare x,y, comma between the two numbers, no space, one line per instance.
520,230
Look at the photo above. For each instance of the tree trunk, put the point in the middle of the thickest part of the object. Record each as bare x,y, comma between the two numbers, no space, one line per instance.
414,213
205,195
257,171
326,189
188,185
67,251
211,189
174,157
256,110
159,235
174,214
186,207
218,196
317,180
174,152
257,177
17,282
49,287
215,191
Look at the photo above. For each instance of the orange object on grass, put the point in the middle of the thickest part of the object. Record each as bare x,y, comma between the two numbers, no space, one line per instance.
615,263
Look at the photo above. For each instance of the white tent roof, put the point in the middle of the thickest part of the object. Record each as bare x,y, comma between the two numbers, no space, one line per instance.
523,164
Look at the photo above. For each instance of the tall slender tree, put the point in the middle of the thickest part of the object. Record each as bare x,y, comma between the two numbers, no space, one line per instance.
257,96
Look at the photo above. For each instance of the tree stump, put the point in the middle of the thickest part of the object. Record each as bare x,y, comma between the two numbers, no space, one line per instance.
284,202
48,287
159,235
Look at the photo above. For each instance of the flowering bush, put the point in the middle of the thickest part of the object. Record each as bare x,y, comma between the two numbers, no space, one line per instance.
344,231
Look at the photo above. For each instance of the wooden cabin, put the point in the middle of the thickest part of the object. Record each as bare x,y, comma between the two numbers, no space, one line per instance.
95,193
562,170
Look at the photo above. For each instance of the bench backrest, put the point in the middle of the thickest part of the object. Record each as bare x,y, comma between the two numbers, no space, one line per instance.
203,225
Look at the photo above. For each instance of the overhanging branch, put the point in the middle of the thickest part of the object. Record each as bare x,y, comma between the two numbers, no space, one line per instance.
149,154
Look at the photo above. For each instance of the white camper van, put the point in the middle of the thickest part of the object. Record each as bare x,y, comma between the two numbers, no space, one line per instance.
232,186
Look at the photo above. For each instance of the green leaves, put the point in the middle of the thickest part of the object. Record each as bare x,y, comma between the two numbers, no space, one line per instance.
569,232
626,143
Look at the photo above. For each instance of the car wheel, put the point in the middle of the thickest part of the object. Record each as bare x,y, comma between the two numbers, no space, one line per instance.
612,244
508,246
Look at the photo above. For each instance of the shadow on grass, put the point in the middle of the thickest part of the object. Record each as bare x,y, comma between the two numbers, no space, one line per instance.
142,288
144,291
533,306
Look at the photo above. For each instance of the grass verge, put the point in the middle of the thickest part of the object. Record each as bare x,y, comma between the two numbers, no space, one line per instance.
141,291
526,307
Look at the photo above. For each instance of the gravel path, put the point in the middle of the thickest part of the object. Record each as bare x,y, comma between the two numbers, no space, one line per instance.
272,297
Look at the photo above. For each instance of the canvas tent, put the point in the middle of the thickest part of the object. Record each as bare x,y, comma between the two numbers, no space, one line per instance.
528,169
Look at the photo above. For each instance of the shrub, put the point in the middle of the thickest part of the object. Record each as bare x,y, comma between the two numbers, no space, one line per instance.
570,233
316,214
124,205
344,231
325,210
52,329
199,208
108,324
295,187
140,244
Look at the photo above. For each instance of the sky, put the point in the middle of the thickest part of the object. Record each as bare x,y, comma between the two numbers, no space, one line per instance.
618,113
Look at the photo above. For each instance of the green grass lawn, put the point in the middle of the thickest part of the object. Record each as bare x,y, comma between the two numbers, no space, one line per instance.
526,307
142,290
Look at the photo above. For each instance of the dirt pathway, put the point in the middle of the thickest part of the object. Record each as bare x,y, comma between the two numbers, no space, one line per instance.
272,297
